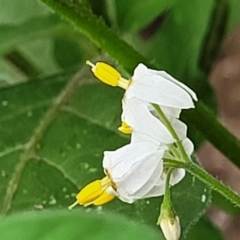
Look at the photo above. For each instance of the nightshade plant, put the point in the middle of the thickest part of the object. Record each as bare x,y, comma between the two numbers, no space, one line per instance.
59,131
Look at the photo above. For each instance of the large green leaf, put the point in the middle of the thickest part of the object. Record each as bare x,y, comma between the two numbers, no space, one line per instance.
50,149
62,225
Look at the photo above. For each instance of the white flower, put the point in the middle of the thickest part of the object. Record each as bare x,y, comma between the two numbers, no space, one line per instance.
135,170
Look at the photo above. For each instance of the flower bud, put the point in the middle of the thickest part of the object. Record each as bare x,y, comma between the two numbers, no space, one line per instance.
171,228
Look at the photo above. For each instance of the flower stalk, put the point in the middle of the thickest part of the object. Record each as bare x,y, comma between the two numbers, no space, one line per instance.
168,220
205,177
171,130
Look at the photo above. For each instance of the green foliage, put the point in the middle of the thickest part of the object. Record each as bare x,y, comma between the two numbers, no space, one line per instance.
64,225
203,230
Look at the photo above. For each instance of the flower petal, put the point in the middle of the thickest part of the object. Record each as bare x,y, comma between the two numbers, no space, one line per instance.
180,128
137,115
172,79
188,146
149,189
142,177
119,162
141,70
155,88
177,175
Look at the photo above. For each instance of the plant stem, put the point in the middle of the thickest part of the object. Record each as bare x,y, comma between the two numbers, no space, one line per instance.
167,195
172,131
205,177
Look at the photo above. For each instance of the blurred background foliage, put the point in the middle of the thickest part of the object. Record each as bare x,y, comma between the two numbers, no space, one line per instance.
182,37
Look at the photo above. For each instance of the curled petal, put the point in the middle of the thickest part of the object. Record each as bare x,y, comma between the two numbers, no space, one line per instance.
155,88
180,128
177,175
136,114
188,146
142,176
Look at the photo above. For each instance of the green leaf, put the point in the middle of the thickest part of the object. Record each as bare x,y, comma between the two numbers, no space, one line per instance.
67,52
204,230
177,44
51,149
15,12
132,20
12,35
62,225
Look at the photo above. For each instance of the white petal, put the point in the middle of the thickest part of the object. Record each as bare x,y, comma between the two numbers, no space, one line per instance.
171,112
119,162
188,146
137,137
180,128
140,70
112,192
137,115
149,189
177,176
154,88
170,78
168,111
156,191
140,176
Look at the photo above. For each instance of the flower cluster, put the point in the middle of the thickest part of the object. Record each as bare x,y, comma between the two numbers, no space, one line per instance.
151,107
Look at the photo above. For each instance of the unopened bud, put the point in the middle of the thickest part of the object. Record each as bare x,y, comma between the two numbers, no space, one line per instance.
171,228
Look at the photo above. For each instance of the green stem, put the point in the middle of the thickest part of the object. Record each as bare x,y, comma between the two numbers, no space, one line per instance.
167,195
205,177
171,130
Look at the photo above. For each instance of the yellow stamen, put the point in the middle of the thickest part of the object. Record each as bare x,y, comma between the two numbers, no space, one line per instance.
108,74
125,128
94,193
103,199
90,192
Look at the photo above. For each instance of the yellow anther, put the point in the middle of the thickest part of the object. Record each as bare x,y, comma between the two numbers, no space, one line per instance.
90,192
103,199
108,74
125,128
94,193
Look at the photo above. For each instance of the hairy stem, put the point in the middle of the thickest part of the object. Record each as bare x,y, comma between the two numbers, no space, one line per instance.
205,177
